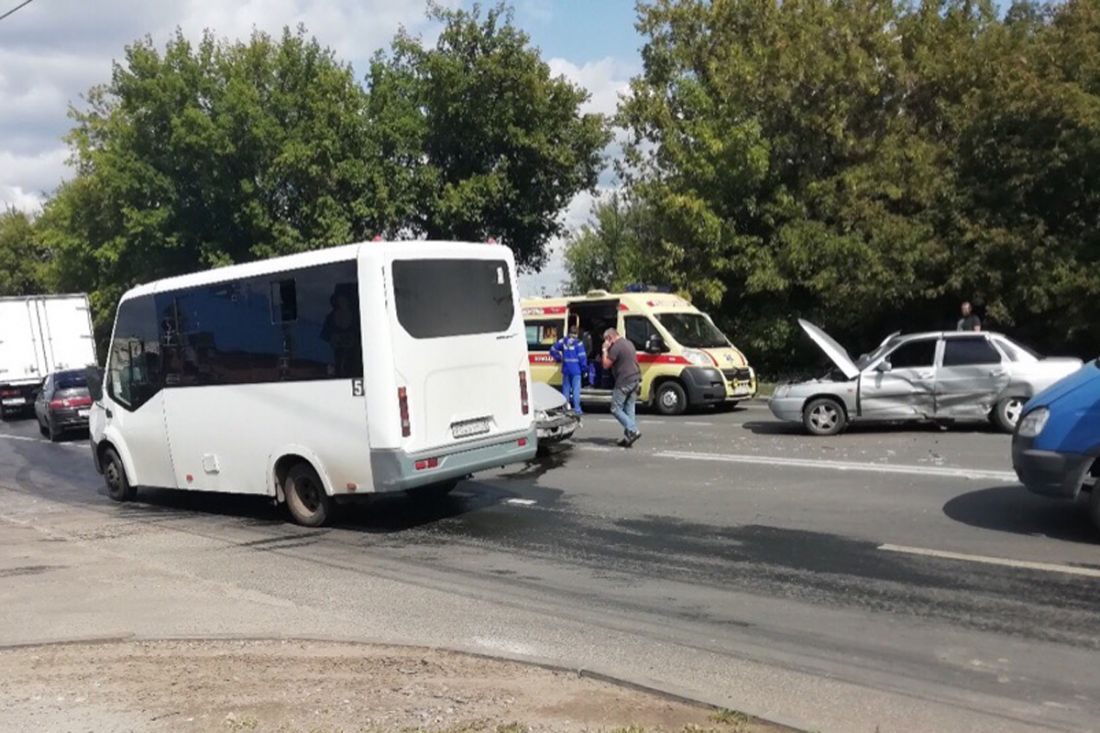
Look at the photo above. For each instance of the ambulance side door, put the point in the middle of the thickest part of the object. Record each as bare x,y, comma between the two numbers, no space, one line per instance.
542,333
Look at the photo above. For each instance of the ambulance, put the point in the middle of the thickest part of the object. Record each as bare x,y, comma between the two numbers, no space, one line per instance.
686,361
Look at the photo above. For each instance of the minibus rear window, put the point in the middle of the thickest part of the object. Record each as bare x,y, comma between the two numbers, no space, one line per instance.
438,298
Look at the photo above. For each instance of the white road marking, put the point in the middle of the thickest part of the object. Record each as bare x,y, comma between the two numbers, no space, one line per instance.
688,422
939,471
521,502
987,560
78,446
22,437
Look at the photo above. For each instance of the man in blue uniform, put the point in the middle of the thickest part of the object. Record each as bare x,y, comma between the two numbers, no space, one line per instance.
569,352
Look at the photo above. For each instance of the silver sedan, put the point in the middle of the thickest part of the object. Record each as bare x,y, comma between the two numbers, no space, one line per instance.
948,376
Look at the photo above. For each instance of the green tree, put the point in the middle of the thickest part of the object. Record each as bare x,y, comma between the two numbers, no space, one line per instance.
23,258
487,141
207,155
867,164
614,249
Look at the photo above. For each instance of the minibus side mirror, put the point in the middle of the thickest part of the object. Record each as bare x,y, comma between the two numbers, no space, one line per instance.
656,345
884,366
94,376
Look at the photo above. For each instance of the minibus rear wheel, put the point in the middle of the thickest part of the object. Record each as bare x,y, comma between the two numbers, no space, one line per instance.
306,499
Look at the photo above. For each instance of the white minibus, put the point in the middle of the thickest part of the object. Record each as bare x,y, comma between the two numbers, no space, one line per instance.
372,367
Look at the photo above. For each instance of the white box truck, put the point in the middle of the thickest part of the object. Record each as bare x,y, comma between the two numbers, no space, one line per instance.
40,334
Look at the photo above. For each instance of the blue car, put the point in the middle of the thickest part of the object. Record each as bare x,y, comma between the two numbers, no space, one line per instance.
1056,447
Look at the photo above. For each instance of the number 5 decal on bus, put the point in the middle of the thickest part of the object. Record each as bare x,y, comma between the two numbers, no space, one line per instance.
357,388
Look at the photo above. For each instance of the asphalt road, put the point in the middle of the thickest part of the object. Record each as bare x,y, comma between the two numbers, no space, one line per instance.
891,580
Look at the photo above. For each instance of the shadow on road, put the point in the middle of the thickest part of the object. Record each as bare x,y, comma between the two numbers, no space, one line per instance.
373,514
381,514
778,427
1015,509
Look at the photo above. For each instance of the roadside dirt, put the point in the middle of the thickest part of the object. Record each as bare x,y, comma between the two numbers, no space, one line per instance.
318,687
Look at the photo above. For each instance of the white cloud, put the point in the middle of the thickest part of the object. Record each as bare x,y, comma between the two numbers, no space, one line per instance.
26,179
606,80
551,279
52,52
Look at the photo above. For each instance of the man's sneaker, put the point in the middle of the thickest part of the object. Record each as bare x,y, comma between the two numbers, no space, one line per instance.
632,438
623,442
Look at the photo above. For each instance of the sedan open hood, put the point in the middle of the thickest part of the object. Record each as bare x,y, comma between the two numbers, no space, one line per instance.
832,349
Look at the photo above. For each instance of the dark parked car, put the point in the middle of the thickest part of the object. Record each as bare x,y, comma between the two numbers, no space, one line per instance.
63,403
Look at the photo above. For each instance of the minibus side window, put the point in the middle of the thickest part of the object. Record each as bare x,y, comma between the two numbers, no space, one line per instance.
134,371
296,325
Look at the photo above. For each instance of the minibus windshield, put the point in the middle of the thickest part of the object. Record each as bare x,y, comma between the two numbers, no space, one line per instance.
445,297
693,330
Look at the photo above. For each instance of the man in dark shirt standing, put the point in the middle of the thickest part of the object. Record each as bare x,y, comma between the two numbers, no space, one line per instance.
969,321
620,357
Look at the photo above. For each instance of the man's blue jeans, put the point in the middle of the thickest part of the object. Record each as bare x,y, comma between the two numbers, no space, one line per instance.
571,390
623,402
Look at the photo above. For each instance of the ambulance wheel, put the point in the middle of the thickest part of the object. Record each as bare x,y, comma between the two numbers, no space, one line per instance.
671,399
306,499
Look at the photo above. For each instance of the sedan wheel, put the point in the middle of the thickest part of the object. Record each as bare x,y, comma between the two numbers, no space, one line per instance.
824,416
1007,413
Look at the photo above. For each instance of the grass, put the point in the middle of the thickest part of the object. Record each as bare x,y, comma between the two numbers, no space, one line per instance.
730,717
765,389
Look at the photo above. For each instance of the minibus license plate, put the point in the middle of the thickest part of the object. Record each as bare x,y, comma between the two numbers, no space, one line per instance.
470,427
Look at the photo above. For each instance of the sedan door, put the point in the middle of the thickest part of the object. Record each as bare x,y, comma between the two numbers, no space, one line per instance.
971,377
42,400
901,385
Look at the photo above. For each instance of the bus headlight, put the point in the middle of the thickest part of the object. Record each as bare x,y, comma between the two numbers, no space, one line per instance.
698,358
1034,422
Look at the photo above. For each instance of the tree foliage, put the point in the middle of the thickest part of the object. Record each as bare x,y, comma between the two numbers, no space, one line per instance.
868,164
614,249
23,258
200,155
500,146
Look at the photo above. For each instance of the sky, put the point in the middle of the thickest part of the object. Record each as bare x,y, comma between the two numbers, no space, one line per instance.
52,51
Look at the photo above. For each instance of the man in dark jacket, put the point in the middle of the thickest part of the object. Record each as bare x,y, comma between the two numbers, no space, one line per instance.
969,321
621,358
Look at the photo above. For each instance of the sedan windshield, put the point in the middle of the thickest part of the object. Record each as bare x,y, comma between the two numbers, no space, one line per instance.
693,330
71,380
867,359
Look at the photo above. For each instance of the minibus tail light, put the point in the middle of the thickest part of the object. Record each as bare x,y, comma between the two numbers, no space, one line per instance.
523,393
403,402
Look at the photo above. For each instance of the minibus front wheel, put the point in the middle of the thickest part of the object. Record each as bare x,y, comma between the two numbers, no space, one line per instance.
306,499
114,474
